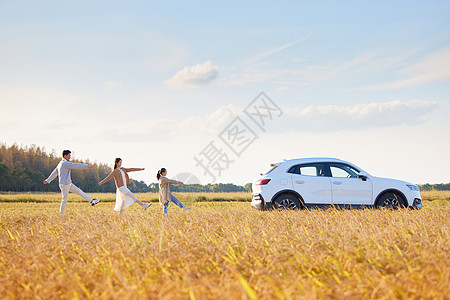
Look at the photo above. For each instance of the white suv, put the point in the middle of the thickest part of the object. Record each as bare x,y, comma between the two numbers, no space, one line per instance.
319,182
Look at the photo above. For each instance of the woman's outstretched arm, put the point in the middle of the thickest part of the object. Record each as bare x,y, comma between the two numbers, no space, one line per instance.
133,169
107,178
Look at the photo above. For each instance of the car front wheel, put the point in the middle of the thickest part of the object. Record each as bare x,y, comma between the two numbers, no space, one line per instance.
390,200
286,201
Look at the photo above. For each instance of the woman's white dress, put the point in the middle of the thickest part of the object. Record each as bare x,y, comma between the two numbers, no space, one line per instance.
124,197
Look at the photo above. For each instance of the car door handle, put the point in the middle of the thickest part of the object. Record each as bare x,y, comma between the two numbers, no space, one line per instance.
299,181
337,182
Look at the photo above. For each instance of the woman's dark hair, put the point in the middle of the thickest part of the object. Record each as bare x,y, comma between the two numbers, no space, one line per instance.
116,161
158,175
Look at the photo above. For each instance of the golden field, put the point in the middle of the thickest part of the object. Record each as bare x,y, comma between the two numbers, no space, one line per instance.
436,197
221,250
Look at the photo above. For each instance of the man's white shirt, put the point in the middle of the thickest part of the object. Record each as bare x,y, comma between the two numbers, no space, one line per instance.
63,170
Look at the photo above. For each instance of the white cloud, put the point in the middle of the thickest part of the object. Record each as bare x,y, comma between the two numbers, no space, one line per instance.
194,76
47,109
327,118
365,115
433,68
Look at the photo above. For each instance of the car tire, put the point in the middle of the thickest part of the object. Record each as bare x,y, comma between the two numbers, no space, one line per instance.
391,200
286,202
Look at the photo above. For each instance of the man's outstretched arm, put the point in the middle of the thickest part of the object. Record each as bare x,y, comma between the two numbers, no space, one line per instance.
72,165
52,176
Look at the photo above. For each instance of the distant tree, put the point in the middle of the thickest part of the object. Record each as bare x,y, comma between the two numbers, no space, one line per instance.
436,187
6,180
426,187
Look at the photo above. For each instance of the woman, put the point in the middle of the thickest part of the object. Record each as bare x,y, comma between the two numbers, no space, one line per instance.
124,197
164,191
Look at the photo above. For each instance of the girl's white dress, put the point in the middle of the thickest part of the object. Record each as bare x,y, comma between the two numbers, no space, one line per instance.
124,197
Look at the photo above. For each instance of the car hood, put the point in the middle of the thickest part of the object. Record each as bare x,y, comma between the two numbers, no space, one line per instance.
396,181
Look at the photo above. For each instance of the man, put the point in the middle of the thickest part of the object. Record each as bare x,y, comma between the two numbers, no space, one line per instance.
63,170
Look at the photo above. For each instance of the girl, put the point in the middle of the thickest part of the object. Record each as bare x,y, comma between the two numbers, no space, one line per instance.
124,197
164,191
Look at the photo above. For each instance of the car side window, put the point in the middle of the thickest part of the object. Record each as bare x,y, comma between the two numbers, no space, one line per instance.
308,170
294,170
343,171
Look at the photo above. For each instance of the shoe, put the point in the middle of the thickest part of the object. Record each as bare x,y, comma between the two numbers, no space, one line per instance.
186,207
95,201
146,206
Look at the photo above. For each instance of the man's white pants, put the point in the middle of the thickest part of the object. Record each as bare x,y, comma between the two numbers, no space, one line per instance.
65,189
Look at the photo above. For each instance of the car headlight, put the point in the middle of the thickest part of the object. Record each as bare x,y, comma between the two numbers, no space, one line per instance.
413,187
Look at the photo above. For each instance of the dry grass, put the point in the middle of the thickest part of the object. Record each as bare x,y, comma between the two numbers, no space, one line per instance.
441,197
223,250
436,197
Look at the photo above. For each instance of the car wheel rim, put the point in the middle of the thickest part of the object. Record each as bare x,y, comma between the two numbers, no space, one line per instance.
390,202
286,204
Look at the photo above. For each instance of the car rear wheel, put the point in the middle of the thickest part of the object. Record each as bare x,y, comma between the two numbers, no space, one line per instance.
286,201
390,200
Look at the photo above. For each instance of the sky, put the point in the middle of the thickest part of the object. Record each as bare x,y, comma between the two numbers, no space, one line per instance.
177,84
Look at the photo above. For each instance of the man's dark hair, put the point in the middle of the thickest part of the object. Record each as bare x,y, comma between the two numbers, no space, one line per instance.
65,152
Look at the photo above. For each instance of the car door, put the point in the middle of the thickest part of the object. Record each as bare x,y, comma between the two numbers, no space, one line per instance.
311,182
347,188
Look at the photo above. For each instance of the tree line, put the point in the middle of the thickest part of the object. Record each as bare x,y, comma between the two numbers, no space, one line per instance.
435,187
24,168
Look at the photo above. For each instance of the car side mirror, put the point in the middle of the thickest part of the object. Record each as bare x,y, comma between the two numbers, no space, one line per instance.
362,176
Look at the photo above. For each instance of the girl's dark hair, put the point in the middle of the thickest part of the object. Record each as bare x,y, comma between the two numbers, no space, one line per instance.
116,161
158,175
